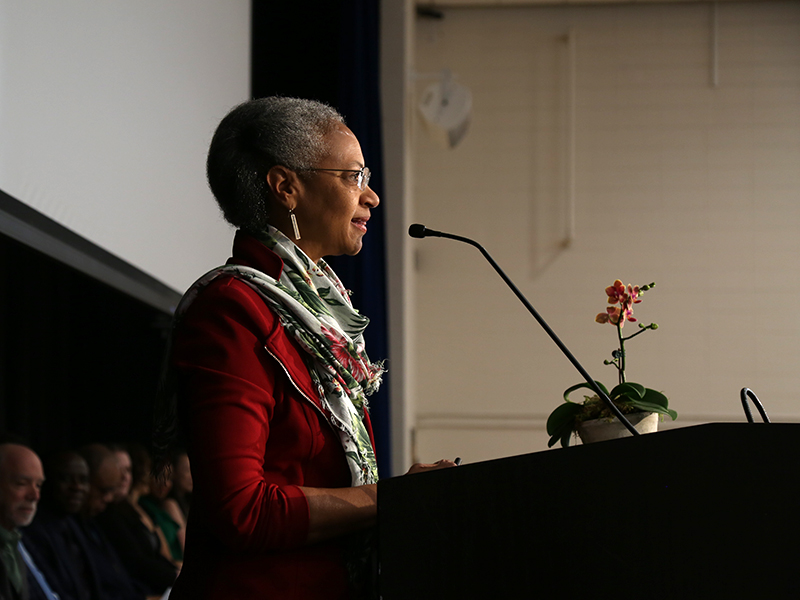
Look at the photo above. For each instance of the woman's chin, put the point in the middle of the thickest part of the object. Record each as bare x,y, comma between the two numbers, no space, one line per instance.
355,249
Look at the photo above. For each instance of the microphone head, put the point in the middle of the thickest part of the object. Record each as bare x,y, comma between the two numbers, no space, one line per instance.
417,230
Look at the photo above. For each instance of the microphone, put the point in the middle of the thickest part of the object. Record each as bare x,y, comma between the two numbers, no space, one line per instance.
420,231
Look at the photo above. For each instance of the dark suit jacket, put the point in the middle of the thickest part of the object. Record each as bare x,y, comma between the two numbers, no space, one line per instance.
76,555
51,544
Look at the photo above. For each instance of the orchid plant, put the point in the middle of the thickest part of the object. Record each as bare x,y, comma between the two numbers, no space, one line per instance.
629,397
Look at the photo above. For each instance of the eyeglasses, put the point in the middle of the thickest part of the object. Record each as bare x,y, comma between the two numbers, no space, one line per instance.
359,176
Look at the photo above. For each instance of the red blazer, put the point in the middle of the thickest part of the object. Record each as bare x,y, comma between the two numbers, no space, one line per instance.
255,433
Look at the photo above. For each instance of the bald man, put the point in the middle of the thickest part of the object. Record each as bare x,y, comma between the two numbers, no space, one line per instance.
21,478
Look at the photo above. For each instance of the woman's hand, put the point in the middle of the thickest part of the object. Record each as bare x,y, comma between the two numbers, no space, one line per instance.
334,512
439,464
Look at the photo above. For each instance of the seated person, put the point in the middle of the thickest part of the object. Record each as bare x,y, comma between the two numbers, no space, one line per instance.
68,542
137,541
21,478
166,513
50,539
125,469
181,481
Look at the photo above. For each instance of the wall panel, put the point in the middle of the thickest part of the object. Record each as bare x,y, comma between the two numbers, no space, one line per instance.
678,181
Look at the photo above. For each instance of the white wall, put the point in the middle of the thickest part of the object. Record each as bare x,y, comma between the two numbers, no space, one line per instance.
106,112
676,181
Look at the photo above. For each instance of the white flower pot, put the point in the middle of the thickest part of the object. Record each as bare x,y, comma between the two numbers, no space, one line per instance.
598,430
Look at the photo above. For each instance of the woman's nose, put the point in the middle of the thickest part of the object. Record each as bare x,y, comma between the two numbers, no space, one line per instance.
370,198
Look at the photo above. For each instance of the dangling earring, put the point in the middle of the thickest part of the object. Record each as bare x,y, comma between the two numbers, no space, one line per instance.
293,219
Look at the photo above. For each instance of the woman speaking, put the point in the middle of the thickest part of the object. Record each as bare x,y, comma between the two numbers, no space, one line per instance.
269,368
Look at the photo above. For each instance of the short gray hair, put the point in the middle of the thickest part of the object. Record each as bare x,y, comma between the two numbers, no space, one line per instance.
256,136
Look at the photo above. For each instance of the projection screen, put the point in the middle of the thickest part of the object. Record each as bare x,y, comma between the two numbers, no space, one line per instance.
106,112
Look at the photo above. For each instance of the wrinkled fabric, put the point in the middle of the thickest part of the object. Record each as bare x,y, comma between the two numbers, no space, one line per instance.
256,431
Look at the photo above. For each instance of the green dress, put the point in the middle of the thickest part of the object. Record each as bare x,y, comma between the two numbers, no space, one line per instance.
167,524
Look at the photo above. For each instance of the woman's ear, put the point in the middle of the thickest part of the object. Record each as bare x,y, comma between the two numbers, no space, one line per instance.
284,185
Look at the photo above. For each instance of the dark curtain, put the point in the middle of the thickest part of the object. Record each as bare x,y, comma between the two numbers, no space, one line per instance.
79,360
328,51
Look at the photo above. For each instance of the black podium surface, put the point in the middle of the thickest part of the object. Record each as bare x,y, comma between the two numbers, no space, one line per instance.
711,511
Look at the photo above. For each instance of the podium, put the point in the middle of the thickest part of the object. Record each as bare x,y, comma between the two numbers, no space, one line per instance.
711,511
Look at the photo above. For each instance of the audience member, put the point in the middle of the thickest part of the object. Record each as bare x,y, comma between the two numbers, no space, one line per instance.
125,468
104,477
21,478
141,465
165,512
137,540
115,582
51,539
181,481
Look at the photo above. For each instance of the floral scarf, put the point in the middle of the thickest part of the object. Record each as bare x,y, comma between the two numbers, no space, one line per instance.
315,310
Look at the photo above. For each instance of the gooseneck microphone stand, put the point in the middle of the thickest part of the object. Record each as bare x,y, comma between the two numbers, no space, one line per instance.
420,231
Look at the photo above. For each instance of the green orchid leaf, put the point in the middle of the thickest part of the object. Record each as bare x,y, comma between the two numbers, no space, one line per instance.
563,415
561,423
586,385
656,408
629,390
565,439
654,397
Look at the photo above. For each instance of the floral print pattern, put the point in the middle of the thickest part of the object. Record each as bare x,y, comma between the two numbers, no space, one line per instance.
315,309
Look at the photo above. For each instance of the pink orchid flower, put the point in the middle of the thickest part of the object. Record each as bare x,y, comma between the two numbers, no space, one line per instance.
634,292
626,297
611,315
615,292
